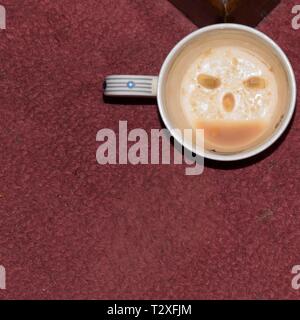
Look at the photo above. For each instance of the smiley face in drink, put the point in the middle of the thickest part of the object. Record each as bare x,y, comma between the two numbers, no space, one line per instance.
231,94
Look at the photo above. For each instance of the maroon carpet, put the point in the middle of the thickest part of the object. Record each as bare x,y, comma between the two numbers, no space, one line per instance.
70,228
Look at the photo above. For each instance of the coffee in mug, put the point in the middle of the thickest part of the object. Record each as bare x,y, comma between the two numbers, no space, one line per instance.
230,80
232,86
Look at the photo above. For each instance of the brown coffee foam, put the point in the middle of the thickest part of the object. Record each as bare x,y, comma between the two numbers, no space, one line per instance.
191,52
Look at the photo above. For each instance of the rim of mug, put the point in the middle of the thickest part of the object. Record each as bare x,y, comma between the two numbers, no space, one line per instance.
245,153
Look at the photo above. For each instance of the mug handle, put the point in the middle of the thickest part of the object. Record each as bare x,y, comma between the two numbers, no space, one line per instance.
130,85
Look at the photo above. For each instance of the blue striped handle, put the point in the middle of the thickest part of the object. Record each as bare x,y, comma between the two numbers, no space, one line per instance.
124,85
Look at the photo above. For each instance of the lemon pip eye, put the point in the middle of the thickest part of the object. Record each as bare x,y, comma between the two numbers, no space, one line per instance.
255,83
208,82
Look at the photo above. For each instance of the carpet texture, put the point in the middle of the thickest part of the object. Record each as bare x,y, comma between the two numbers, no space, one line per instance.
71,228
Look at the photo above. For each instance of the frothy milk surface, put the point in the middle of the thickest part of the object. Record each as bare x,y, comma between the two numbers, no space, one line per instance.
231,93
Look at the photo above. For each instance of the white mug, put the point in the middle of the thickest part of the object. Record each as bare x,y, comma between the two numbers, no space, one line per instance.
153,86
